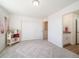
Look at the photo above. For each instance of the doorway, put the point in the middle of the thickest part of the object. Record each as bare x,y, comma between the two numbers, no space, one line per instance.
71,31
77,31
45,32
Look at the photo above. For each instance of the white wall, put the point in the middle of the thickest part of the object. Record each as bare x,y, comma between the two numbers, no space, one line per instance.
31,27
3,13
55,34
67,21
55,30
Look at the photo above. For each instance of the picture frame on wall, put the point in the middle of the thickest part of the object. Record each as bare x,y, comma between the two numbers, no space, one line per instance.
2,25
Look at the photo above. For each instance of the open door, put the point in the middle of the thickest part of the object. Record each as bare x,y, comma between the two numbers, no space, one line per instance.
45,32
77,31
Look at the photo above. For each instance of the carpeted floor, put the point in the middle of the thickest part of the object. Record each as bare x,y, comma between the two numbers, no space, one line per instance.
36,49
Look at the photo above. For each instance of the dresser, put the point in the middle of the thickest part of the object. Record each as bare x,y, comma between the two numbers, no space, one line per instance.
12,38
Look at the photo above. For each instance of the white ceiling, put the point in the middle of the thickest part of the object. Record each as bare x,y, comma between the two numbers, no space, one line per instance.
25,7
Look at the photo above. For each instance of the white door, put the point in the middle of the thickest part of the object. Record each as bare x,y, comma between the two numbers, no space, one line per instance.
77,31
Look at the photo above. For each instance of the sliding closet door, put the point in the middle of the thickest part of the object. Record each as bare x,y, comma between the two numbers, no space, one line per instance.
27,30
31,29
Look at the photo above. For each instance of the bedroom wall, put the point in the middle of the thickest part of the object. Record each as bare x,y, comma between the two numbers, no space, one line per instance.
3,13
55,34
31,27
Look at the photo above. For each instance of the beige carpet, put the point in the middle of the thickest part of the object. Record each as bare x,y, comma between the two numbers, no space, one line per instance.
36,49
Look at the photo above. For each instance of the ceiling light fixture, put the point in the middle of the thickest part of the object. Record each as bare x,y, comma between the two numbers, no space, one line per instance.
36,2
